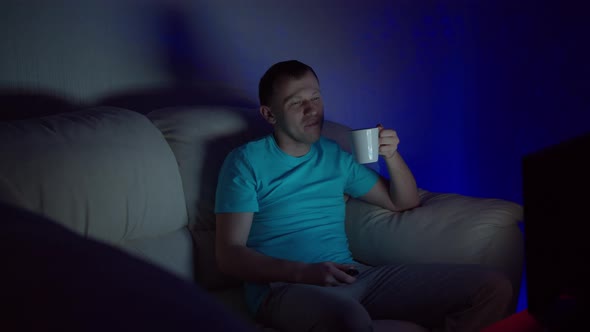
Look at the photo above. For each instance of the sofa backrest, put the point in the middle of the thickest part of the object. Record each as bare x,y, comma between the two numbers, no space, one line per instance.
105,173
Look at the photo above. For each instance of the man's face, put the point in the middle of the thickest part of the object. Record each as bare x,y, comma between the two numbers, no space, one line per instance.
298,108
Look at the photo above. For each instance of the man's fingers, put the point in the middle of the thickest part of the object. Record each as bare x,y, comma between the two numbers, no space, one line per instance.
386,148
343,267
388,143
340,274
332,281
388,140
344,277
387,133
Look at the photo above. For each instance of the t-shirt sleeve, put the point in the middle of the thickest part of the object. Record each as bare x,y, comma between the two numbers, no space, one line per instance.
360,178
236,185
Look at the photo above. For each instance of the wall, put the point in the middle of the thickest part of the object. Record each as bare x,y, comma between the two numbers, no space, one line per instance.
470,86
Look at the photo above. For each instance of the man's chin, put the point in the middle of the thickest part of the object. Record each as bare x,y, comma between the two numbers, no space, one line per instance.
312,133
311,138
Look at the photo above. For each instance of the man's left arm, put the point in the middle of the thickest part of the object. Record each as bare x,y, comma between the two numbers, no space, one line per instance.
400,193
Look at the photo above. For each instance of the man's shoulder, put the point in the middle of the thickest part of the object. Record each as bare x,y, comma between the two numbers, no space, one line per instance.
252,147
329,145
248,151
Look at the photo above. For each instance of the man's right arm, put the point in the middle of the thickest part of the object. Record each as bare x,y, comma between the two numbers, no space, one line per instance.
236,259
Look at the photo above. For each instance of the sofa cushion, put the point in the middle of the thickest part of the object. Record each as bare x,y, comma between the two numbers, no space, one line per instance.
106,173
172,251
200,138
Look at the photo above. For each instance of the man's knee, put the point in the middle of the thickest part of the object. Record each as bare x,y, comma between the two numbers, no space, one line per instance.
496,288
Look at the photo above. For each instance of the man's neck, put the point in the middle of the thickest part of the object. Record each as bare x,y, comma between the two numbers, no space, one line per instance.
290,147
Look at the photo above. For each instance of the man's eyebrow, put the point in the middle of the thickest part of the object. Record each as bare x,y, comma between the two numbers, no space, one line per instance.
295,95
289,97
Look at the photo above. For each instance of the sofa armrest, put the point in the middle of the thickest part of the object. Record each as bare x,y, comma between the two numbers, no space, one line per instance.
446,228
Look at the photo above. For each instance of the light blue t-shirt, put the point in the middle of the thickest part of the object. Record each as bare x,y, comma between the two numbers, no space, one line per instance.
297,202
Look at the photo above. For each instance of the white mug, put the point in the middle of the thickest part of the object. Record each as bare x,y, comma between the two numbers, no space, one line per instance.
365,145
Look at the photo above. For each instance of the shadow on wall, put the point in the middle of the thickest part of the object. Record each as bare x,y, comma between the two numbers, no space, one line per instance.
184,60
189,74
176,47
22,104
145,101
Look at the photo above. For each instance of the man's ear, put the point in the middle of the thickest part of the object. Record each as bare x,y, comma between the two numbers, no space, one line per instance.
267,115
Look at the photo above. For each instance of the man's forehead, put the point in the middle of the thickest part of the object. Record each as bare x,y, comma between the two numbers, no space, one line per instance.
297,83
302,91
293,86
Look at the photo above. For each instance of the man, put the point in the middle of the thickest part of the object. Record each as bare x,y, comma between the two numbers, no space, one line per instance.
280,227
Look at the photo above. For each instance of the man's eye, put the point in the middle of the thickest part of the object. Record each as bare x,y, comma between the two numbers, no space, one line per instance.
315,98
295,103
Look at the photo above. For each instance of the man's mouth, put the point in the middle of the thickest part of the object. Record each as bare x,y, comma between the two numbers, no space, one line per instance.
312,123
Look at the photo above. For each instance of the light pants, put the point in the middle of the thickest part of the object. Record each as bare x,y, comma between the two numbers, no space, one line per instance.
438,297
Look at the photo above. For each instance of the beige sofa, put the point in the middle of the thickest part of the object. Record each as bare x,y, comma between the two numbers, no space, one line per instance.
146,184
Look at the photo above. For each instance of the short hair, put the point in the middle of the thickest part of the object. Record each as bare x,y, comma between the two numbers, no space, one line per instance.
291,68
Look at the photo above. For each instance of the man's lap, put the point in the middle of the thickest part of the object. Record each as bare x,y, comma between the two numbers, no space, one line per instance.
422,293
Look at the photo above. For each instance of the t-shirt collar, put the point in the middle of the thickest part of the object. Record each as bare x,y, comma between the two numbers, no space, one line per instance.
276,150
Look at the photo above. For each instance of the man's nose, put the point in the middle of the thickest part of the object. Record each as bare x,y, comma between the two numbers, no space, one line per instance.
308,107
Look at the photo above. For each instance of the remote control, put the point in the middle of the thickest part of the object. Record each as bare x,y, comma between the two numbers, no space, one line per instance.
352,272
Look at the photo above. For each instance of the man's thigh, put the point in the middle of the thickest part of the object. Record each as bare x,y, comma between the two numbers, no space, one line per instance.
424,293
300,307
